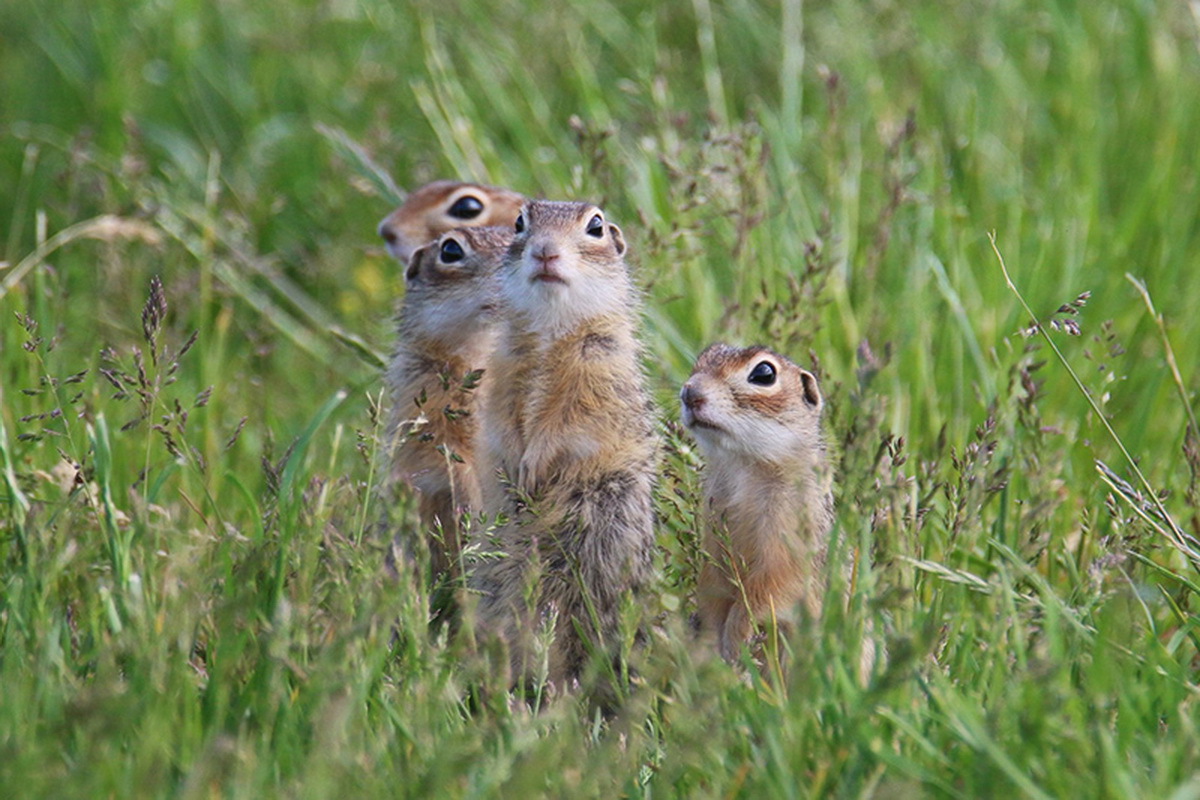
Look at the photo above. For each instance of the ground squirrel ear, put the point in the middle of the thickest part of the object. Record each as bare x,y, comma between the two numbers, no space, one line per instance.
812,393
414,264
618,239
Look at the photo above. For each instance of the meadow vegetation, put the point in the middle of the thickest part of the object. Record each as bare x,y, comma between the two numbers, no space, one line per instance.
193,304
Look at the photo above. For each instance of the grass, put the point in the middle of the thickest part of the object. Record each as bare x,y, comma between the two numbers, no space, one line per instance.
192,599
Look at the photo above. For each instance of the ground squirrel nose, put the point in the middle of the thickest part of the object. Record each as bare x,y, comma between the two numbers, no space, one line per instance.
691,398
544,253
386,232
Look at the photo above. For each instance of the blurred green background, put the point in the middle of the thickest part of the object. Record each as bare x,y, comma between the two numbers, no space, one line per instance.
721,135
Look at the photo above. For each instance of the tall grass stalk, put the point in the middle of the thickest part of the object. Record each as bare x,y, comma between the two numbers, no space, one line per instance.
1183,542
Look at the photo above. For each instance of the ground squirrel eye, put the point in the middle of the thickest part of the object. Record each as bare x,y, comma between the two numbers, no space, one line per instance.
520,226
596,227
466,207
452,251
763,374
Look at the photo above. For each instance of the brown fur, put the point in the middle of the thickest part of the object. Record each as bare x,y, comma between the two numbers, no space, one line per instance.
445,330
768,508
570,433
427,214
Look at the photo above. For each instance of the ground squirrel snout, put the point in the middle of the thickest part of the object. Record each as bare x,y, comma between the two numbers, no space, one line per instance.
767,502
442,206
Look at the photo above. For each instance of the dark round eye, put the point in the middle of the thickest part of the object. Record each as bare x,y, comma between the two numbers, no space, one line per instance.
763,374
466,207
596,226
520,226
451,251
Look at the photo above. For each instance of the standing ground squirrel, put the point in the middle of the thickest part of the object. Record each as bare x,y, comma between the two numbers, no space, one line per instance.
445,332
442,206
767,502
568,425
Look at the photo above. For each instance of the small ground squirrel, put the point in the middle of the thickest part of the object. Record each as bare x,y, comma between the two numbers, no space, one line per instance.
570,428
767,502
442,206
445,332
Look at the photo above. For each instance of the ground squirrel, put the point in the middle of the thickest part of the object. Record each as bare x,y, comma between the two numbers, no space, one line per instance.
445,331
442,206
767,481
569,429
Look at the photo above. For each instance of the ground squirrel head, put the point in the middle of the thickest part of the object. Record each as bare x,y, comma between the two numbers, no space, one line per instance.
444,205
566,264
451,291
752,403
